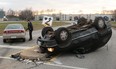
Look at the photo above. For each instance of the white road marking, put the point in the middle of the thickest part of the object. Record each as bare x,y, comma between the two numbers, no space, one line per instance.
65,66
14,47
56,61
57,65
6,58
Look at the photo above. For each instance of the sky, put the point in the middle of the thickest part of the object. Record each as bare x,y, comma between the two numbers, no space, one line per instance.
66,6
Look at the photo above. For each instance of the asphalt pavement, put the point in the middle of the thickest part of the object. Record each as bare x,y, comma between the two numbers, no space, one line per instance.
103,58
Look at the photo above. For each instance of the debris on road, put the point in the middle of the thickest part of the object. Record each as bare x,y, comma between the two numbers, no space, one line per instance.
30,54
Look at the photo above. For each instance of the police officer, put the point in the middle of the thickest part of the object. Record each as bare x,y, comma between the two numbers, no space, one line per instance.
30,28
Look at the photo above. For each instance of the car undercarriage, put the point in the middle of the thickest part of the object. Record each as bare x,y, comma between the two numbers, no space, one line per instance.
84,37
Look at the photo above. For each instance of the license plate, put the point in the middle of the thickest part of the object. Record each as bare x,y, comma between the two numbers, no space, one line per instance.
13,36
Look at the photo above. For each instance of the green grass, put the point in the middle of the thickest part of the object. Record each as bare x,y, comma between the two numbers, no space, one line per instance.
113,24
36,24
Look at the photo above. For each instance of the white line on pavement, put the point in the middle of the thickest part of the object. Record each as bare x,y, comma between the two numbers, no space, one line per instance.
65,66
6,58
14,47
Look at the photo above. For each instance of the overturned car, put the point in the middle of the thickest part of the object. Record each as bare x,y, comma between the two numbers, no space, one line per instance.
84,37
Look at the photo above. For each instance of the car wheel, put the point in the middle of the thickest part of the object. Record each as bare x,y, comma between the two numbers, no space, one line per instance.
100,24
45,30
4,40
63,37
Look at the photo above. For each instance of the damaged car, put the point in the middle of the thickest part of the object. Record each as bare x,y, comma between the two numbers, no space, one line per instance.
85,37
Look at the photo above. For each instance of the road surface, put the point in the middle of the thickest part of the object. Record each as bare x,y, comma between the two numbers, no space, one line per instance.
103,58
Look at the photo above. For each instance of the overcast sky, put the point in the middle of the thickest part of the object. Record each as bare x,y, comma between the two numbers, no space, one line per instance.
64,5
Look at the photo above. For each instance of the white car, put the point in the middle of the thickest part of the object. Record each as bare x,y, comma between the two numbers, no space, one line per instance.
14,31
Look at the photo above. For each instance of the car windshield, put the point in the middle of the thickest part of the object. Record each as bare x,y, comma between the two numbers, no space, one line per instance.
14,26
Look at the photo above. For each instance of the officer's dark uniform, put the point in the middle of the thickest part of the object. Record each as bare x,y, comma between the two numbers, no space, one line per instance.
30,28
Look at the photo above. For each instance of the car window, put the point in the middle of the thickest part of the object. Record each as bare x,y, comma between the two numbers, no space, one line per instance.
14,27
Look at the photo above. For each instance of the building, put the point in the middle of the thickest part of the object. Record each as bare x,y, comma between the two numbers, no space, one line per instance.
56,17
71,17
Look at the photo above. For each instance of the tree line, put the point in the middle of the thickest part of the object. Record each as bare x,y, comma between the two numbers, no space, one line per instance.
114,15
29,14
22,14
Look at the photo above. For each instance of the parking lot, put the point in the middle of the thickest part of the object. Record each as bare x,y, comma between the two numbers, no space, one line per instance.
103,58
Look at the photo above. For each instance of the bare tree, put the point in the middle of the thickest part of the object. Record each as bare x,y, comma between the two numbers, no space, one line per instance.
114,15
10,13
41,12
26,14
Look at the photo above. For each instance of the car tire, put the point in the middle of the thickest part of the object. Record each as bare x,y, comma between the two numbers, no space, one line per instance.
63,37
4,40
99,24
45,30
